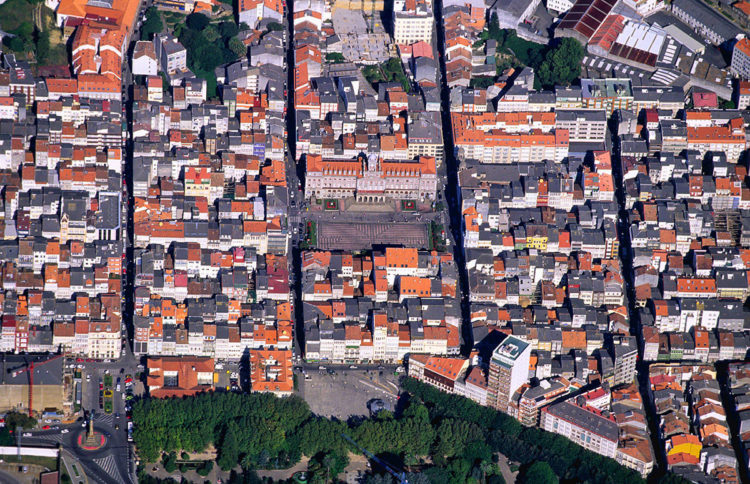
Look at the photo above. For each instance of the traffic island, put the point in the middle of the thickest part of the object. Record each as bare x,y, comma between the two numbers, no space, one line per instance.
91,439
95,441
408,206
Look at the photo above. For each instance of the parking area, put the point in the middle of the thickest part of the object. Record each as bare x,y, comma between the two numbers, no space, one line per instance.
711,53
107,390
540,23
342,393
229,376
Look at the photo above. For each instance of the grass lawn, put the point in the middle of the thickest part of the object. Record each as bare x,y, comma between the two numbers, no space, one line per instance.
529,53
173,18
48,462
312,234
13,13
373,74
227,17
210,81
58,52
437,240
408,205
107,380
16,13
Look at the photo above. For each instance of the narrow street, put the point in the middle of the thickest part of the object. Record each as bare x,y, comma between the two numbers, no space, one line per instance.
452,190
295,175
727,400
626,258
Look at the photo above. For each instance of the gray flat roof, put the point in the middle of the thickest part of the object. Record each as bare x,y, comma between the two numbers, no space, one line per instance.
513,7
585,419
708,17
12,366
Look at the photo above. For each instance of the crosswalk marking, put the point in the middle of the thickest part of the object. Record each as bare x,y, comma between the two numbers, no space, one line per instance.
105,418
54,437
91,472
108,465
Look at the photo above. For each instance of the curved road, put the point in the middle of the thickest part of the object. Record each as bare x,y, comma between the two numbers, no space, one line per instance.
5,477
109,465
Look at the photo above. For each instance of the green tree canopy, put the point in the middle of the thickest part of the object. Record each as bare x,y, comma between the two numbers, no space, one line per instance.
538,473
482,82
335,57
205,469
454,434
237,47
562,65
211,33
229,455
25,30
379,479
170,462
14,43
228,29
152,25
42,46
197,21
461,438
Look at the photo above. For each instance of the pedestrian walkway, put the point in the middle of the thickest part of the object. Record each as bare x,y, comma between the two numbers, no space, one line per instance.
508,475
73,468
378,387
53,437
284,474
354,236
109,466
106,419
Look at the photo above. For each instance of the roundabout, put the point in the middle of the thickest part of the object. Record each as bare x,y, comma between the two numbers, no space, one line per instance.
91,439
97,441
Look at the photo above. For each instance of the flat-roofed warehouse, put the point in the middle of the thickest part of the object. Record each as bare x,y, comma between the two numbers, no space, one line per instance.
49,385
582,21
511,13
706,21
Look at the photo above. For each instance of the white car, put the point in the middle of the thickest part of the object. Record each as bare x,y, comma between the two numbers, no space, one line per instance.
27,434
64,431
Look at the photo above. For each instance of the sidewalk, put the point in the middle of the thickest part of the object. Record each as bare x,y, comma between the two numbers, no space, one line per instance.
68,460
283,474
508,475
